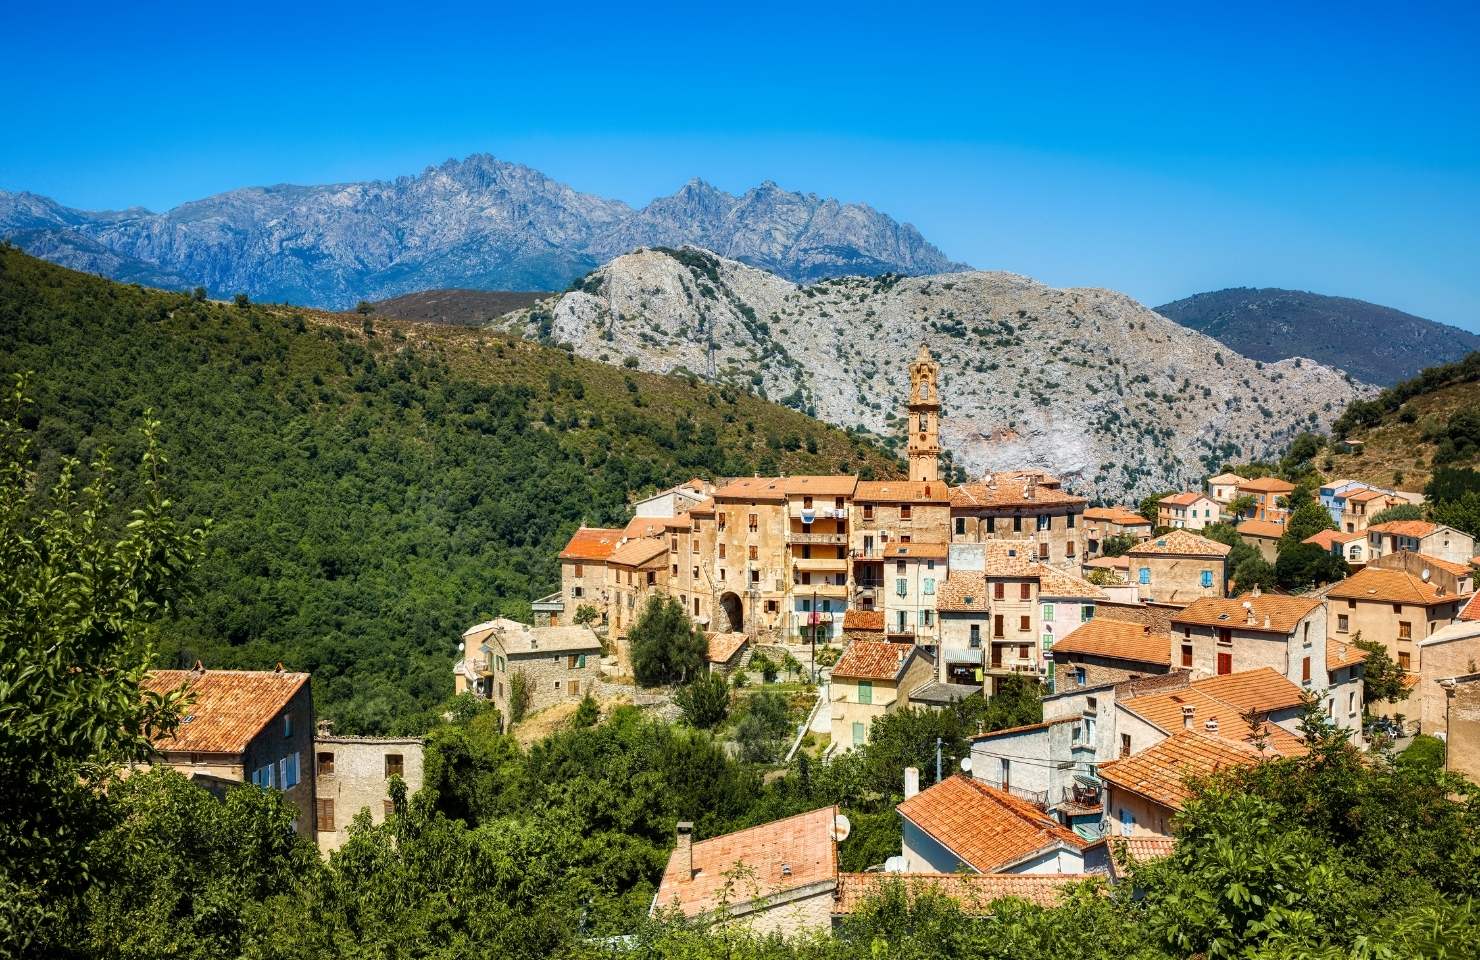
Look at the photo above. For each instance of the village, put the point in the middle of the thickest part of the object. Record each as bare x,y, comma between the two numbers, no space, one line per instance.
1152,663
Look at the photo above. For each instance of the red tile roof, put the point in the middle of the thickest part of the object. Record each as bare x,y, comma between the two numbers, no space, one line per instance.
1261,528
752,489
964,591
1388,586
1053,582
1121,516
855,619
825,486
1471,610
1224,698
986,828
722,646
1326,539
1183,499
1417,529
774,858
975,892
1283,613
902,491
1339,655
1160,773
1119,640
228,708
872,660
1006,490
591,543
1460,570
635,553
1266,485
1183,543
656,526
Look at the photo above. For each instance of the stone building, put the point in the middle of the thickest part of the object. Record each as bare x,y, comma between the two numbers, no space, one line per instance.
1104,650
354,774
636,570
1394,607
583,569
818,511
1187,511
923,418
244,726
892,511
1179,567
1217,635
1361,505
1223,488
1267,493
556,664
1029,505
1147,790
1102,523
1462,726
1445,544
1452,652
1263,536
914,572
965,617
870,680
741,552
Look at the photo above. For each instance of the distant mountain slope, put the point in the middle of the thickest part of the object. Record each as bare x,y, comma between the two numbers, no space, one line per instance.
1086,383
1373,343
463,308
478,223
373,492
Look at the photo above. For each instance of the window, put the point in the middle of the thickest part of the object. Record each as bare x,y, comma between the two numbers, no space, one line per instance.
696,573
577,592
755,523
1144,576
1048,611
290,770
806,503
1025,591
394,765
1351,704
1397,608
1069,548
868,511
326,764
1405,630
287,725
929,564
673,570
722,575
1086,613
721,551
997,625
770,606
557,686
388,808
1343,623
696,599
929,587
1186,654
326,815
723,519
673,543
1305,670
901,586
929,616
652,577
1207,579
899,568
755,576
976,636
1079,676
1006,773
859,736
904,511
865,691
580,570
1403,659
1025,623
1017,524
1225,663
1125,744
999,590
1043,551
960,526
1043,523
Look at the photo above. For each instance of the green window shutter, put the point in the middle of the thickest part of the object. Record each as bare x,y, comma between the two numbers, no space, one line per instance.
865,691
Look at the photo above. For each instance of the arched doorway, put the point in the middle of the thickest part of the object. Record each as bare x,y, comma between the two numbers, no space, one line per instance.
734,612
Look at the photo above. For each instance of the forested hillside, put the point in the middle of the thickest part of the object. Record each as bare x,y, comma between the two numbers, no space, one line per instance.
374,486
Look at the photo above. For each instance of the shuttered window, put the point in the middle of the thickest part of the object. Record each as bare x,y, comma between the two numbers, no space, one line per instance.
326,815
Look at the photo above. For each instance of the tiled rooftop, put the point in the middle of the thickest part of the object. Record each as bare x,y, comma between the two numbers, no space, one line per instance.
1182,543
1387,586
722,646
872,660
1123,516
975,892
635,553
1006,490
591,543
1225,698
856,619
1283,613
964,591
1417,529
902,491
1261,528
916,551
229,707
1160,773
986,828
1117,639
1266,485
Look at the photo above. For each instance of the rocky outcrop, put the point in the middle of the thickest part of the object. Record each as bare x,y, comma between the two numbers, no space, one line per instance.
478,223
1085,383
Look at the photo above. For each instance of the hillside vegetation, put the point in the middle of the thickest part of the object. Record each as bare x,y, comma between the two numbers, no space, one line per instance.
1373,343
375,486
466,308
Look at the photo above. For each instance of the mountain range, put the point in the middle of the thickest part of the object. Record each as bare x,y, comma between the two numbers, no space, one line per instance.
1085,383
1371,342
480,223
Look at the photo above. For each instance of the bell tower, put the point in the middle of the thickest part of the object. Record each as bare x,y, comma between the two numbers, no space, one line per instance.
923,417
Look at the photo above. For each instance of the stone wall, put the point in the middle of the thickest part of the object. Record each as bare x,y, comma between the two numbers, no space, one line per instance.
353,774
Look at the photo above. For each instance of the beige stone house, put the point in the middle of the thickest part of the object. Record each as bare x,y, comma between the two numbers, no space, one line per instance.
637,569
1396,608
1351,547
1421,536
1452,652
1187,511
1179,567
892,511
1105,650
872,679
1102,523
818,511
914,574
1216,636
556,664
244,726
742,554
354,774
583,570
1361,505
1267,493
1223,488
1147,790
1262,536
1026,505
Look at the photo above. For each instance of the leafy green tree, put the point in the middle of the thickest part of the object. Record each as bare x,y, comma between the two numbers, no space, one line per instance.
587,714
1149,504
705,700
519,696
764,727
1402,511
242,301
586,614
1117,545
1242,505
1462,514
1382,678
83,589
667,647
1307,520
1254,571
1304,565
364,308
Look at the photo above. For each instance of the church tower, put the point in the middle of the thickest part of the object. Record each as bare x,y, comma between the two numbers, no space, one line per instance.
923,419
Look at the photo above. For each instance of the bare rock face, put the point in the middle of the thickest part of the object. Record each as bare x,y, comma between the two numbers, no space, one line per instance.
477,223
1085,383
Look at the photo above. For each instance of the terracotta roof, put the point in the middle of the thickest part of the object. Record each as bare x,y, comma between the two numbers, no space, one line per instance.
1363,496
517,638
1266,485
986,828
872,660
821,486
1388,586
229,707
752,489
1025,728
1053,582
894,550
1340,655
1262,690
1180,543
855,619
1123,516
1326,539
704,508
1119,640
1471,610
591,543
1284,613
722,646
1448,566
1226,478
776,857
1183,499
639,527
1416,529
902,491
635,553
1160,773
1143,849
1121,562
975,892
1224,698
1261,528
1009,491
964,591
1009,558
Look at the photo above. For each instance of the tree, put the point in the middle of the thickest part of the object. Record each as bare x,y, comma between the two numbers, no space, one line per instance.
1401,511
1148,505
587,714
705,701
242,301
1254,571
198,295
1304,565
1242,505
666,646
364,308
763,727
1382,678
81,589
1308,519
1118,545
791,665
586,614
519,695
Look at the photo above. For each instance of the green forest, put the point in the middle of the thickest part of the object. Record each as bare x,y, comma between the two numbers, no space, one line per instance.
373,487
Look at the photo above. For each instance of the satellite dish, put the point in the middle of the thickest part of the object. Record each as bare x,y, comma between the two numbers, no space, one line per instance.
459,648
1425,575
840,829
966,764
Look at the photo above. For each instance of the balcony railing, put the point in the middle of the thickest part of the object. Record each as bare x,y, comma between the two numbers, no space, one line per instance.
1036,797
832,539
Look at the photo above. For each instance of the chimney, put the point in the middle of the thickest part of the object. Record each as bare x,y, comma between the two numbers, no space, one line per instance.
279,667
1211,725
1266,621
199,669
1256,590
325,727
683,848
911,781
1187,711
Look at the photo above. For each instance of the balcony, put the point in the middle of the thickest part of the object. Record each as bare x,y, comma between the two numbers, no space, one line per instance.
1001,668
821,564
479,666
796,511
830,590
1038,798
826,539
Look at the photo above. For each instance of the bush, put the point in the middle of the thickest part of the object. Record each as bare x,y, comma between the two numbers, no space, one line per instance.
1304,565
705,701
666,646
763,728
1403,511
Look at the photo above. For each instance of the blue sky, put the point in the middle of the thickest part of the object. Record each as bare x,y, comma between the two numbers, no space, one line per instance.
1160,151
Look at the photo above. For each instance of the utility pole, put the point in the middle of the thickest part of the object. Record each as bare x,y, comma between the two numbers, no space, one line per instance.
814,636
